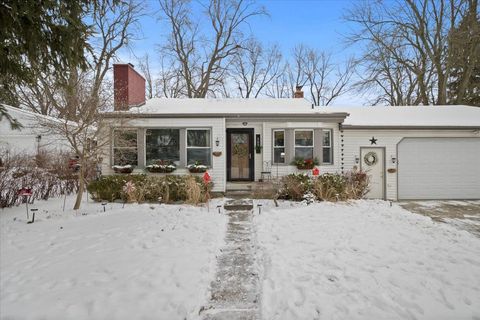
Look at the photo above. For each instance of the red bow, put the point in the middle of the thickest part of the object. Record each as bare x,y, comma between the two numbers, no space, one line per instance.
206,178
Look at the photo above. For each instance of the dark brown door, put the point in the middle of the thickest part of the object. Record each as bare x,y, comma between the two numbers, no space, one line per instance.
240,165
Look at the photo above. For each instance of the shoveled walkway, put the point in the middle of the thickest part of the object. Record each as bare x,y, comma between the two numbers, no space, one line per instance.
235,290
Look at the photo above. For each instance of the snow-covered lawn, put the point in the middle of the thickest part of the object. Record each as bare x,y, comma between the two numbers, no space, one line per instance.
138,262
365,260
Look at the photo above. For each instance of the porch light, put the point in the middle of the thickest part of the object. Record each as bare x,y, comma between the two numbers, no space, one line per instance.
393,158
217,142
357,159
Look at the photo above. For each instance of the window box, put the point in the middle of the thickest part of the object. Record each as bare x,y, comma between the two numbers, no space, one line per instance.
123,169
305,164
161,166
197,168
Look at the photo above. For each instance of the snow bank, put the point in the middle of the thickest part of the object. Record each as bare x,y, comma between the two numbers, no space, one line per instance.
366,260
140,262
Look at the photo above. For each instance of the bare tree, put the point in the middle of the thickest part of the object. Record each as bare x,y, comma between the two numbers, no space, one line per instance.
201,56
78,97
144,66
169,82
254,67
415,36
325,79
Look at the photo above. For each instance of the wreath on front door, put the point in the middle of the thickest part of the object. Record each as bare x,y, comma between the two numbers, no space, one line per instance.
370,158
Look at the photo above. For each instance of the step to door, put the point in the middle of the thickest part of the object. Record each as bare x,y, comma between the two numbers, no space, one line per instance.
238,205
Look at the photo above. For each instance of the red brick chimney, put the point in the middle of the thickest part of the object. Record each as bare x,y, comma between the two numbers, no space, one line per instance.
298,92
128,86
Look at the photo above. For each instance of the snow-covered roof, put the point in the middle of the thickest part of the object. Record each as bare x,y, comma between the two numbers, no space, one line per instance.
411,116
229,108
226,105
21,114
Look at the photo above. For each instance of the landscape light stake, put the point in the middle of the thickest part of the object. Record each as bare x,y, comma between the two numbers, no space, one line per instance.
259,208
64,201
33,215
104,204
219,207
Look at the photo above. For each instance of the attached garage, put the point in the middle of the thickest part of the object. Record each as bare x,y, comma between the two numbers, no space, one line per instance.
439,168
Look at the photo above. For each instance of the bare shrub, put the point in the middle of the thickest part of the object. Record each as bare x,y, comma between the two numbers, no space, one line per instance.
194,191
46,181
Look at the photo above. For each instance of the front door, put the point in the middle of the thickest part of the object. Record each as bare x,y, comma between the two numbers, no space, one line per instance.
240,155
373,163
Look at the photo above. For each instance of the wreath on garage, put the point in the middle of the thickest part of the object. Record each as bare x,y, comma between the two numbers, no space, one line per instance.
370,158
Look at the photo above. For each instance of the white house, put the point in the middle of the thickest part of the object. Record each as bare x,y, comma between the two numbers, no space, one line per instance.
30,138
409,152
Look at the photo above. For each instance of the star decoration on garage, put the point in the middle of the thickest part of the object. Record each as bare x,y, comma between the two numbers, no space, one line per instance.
373,141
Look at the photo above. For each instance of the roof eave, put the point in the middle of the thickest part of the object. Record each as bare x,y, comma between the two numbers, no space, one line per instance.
337,116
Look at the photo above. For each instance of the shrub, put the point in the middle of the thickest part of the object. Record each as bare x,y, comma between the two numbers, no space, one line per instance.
326,187
329,187
47,175
294,186
357,184
110,188
142,188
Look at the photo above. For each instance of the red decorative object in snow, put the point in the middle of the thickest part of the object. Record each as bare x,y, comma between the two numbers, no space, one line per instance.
25,192
315,171
206,178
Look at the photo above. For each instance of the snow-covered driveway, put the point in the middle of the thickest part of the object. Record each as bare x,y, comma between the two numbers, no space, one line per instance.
140,262
365,260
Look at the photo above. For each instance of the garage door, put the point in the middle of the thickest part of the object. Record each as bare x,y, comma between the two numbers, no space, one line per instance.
439,168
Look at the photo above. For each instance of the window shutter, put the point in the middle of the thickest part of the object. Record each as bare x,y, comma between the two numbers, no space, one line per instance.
141,147
289,146
318,145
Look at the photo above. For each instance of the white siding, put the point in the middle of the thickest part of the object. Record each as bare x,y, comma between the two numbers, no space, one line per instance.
285,169
217,125
23,141
355,139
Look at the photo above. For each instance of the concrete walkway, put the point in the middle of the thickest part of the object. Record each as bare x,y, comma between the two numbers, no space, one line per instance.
235,290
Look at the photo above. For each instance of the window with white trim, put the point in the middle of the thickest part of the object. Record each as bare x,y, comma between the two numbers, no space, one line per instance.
199,146
278,146
327,147
125,151
304,144
162,144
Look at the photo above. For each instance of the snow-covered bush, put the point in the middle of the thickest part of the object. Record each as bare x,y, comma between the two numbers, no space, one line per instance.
294,187
326,187
47,178
165,189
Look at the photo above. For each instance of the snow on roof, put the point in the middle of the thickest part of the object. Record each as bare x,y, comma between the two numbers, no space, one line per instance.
28,114
411,116
224,106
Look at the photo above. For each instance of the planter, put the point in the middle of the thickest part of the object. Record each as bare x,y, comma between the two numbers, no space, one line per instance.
305,166
197,169
160,169
123,169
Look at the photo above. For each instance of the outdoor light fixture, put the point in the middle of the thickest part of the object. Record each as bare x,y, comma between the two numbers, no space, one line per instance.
393,158
245,123
217,142
357,159
38,138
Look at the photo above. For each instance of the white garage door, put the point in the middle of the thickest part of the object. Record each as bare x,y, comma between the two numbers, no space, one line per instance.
439,168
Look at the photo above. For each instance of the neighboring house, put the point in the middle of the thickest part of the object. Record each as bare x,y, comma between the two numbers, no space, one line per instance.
30,138
409,152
